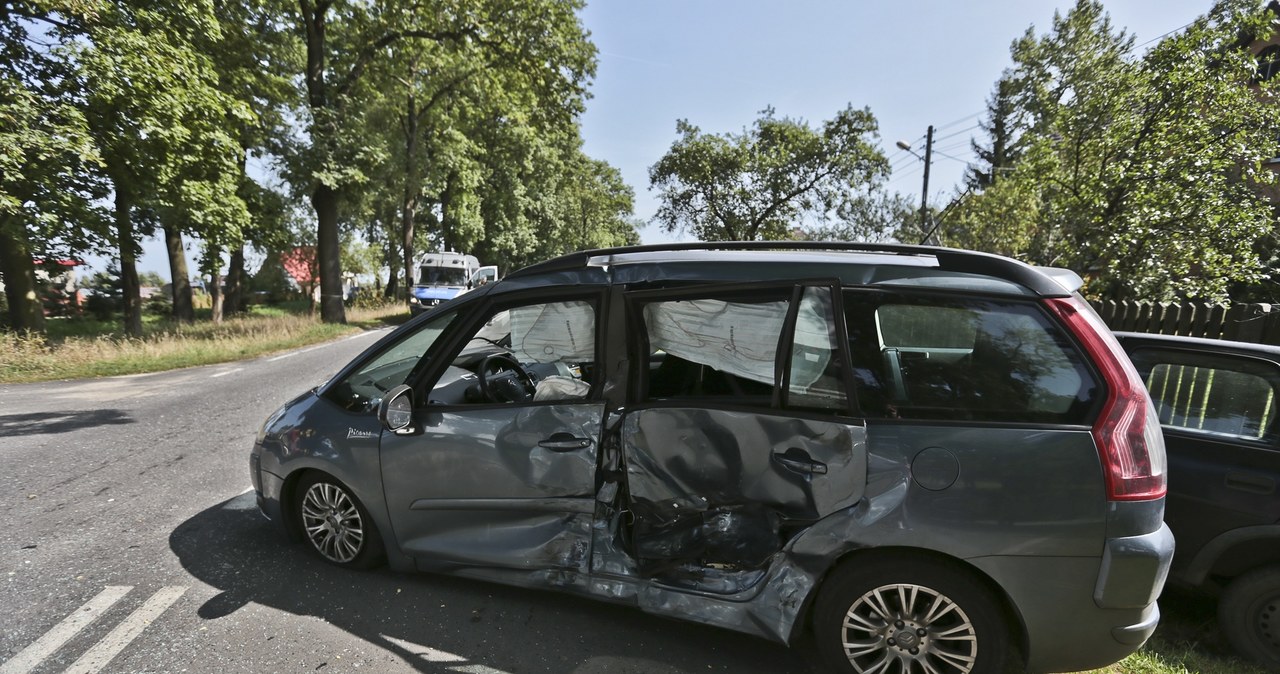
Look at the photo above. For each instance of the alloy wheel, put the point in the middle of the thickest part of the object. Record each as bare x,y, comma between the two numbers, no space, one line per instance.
904,629
332,522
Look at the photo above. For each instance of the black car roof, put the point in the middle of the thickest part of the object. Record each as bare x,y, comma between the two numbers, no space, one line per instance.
1200,344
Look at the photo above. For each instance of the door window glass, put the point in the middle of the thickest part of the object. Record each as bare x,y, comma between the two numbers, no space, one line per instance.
524,353
979,360
1209,393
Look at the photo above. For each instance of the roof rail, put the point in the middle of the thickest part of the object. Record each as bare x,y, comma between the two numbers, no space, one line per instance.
950,259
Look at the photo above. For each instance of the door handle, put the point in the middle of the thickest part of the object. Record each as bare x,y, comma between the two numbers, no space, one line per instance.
564,442
799,461
1254,484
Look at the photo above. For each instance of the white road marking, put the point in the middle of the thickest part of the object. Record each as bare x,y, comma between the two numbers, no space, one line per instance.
33,655
425,652
433,655
223,374
124,633
476,669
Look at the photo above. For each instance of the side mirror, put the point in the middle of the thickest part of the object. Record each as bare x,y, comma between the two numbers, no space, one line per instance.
395,412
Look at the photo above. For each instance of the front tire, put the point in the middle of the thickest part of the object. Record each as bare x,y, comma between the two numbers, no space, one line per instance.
906,616
335,524
1249,614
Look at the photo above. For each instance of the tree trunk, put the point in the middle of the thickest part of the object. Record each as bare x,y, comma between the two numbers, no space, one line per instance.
183,307
409,204
393,258
236,301
128,263
211,266
26,314
328,261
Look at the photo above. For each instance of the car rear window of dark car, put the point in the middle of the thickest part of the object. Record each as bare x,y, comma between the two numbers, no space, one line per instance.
939,357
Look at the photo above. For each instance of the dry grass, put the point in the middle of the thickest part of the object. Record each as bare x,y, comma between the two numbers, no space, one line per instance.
84,348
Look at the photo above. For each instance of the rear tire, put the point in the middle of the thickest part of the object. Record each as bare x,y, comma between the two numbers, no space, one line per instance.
1249,614
903,616
335,525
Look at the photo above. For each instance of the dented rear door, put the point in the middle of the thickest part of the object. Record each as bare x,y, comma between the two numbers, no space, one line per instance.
743,432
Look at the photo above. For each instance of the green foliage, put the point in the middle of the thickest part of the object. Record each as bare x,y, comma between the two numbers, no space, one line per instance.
769,179
453,125
1142,172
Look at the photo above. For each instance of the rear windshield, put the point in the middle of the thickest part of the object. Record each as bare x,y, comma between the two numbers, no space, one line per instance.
960,359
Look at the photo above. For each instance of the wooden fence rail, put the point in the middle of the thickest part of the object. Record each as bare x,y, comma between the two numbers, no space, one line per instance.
1255,323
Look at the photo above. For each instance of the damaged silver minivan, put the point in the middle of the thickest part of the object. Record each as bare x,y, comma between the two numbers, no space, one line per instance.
928,460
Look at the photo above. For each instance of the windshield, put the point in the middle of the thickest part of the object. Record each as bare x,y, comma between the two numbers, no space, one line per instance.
442,276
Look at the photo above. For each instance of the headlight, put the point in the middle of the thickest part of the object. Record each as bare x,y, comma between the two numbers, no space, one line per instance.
413,300
262,432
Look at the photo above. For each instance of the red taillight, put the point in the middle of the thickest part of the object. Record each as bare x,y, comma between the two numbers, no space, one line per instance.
1127,432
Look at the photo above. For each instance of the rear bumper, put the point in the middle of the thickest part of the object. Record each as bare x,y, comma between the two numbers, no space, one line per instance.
1134,569
1078,612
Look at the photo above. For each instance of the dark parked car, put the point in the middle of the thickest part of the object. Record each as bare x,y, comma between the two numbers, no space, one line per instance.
1217,402
930,460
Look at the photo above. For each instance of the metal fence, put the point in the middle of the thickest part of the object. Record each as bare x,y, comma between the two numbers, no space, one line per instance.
1255,323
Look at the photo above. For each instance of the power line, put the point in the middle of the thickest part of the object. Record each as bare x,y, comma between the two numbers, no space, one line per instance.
955,146
1161,37
957,133
962,161
955,122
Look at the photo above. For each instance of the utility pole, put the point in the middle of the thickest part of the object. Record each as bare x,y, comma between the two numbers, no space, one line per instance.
930,237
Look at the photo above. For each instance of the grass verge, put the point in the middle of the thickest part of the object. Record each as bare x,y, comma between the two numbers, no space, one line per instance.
1188,641
84,348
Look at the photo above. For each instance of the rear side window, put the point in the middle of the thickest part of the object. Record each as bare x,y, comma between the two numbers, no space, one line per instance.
1210,393
953,359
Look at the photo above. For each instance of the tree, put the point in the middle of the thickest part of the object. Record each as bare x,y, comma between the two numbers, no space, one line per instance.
255,55
1141,172
1004,125
48,183
874,217
543,39
769,179
160,130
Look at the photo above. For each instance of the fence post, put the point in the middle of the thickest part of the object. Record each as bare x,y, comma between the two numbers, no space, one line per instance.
1271,327
1172,316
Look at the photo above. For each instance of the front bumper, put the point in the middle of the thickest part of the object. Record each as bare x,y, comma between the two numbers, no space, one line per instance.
267,489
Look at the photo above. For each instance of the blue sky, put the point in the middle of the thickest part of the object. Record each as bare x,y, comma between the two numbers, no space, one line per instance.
718,63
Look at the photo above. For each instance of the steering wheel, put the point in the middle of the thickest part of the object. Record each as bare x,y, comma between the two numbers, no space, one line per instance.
503,380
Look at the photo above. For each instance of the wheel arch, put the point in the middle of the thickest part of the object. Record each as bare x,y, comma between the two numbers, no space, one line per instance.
1232,554
1018,629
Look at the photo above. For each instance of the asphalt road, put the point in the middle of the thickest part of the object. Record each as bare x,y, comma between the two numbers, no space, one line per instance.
129,542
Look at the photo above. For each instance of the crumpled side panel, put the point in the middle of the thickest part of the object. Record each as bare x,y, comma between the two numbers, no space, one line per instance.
692,459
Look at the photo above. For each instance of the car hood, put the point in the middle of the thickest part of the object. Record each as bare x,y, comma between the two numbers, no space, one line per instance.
436,292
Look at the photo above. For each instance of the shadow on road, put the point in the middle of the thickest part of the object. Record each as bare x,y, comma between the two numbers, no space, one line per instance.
232,548
49,423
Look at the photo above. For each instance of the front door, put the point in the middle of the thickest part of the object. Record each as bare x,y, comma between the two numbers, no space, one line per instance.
498,468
